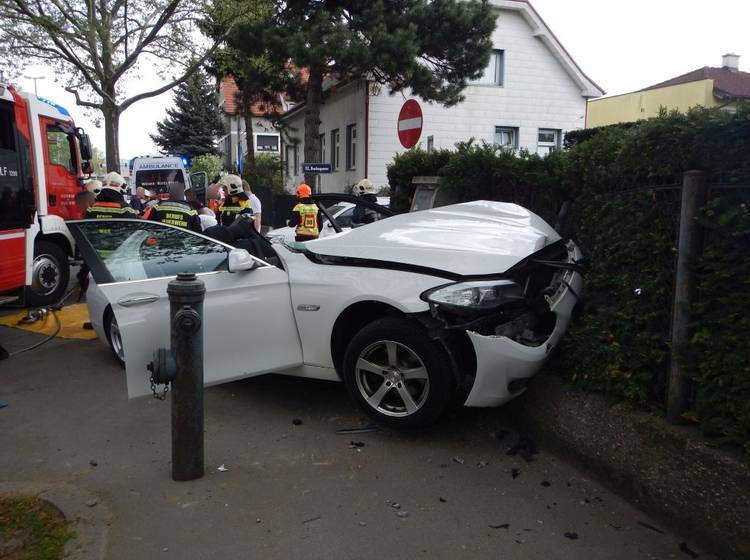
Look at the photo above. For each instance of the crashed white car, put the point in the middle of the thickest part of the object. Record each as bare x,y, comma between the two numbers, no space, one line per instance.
461,303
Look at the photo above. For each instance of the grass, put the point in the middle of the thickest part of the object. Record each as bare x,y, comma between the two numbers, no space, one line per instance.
31,529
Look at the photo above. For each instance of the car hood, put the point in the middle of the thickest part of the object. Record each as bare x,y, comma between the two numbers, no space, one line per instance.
472,238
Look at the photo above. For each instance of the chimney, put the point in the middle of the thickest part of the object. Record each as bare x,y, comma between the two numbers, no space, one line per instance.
731,62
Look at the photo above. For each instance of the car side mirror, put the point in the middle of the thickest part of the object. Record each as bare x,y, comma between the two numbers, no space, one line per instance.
240,259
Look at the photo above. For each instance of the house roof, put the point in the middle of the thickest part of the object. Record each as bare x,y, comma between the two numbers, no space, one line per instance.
727,83
258,109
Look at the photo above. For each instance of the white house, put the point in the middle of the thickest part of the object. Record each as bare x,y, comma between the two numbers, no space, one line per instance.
531,93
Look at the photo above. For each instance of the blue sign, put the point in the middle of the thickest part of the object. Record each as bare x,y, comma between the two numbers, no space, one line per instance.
316,168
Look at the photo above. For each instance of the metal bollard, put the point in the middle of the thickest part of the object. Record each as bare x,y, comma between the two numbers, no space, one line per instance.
186,295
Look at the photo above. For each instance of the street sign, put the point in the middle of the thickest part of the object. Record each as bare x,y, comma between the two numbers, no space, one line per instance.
316,168
410,123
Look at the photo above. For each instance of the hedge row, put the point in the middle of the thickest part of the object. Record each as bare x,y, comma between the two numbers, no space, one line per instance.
626,223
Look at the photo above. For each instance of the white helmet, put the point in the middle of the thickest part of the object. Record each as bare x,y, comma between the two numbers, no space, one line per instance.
365,186
94,186
232,183
115,181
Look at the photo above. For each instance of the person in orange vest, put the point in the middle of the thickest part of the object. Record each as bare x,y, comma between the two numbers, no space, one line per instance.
305,217
110,202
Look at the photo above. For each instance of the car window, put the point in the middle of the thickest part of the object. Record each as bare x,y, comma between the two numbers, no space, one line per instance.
345,218
138,250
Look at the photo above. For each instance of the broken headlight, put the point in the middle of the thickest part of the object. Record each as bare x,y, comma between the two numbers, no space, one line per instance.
479,295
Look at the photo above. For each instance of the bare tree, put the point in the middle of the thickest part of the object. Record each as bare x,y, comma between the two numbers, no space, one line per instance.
95,46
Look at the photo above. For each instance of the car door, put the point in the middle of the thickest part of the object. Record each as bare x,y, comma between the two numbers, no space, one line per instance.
248,324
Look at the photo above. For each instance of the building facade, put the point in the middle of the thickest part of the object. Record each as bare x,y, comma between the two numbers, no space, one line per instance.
531,93
722,87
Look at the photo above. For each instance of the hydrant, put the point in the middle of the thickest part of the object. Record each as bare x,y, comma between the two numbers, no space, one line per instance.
182,366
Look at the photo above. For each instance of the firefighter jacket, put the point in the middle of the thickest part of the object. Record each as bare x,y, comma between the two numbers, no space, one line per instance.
110,204
305,219
175,212
233,206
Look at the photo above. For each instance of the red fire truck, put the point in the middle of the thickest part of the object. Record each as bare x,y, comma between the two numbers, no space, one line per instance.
44,160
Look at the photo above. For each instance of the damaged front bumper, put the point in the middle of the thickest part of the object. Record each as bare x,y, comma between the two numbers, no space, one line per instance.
503,365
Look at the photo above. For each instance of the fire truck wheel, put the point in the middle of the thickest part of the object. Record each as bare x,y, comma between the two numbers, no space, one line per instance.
50,274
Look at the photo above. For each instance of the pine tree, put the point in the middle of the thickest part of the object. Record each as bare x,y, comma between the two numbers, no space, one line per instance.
194,124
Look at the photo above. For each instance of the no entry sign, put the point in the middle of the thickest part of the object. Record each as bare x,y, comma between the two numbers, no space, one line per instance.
410,124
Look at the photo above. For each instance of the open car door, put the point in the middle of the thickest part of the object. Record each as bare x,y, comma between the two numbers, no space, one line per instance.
248,324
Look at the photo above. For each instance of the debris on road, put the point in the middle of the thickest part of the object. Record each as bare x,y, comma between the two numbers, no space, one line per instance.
297,422
362,524
442,500
363,430
311,519
92,502
482,464
396,505
514,473
356,444
687,550
546,483
501,526
458,460
572,536
402,514
525,447
222,468
93,463
3,405
647,526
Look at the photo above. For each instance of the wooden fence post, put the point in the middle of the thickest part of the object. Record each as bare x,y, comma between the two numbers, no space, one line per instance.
688,253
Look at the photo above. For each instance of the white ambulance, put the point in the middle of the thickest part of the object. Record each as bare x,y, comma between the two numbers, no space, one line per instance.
158,173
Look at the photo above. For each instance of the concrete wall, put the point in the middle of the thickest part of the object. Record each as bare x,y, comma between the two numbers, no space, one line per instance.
638,105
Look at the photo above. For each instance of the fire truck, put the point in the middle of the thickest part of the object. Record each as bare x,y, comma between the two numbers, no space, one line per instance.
44,161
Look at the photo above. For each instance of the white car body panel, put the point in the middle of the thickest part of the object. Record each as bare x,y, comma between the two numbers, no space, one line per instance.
248,326
472,238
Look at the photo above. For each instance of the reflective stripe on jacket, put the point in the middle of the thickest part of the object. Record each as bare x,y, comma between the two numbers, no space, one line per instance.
178,214
108,210
307,223
233,206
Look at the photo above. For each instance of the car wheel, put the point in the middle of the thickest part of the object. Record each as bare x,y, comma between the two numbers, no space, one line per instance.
114,338
49,276
397,374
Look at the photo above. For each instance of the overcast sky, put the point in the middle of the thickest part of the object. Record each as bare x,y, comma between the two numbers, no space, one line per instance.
623,45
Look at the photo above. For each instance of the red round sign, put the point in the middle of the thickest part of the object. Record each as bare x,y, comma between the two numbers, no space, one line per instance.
410,123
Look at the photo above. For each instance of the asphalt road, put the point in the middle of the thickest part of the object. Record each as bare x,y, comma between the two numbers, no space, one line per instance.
299,491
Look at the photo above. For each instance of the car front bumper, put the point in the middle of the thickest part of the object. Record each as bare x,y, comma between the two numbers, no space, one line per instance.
503,365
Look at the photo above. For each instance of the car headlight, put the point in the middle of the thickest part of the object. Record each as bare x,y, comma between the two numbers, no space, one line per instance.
479,295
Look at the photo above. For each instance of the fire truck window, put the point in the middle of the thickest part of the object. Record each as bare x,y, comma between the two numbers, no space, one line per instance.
59,149
13,208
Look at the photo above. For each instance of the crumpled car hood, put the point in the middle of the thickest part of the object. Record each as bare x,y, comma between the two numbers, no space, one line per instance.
472,238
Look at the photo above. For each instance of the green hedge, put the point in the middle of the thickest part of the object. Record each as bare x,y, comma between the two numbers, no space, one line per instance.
626,224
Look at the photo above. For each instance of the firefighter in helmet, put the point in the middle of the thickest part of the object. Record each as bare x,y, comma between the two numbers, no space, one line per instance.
110,201
366,191
236,202
305,217
173,209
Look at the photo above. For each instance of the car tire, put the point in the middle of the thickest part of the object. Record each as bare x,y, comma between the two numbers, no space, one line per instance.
114,339
397,374
50,275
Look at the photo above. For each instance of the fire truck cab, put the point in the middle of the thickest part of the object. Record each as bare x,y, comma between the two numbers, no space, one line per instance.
44,160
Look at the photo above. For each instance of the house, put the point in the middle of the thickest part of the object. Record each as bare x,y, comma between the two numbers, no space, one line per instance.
266,138
723,87
531,93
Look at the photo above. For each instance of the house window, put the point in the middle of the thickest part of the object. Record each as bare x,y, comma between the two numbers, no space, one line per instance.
322,148
548,141
506,136
267,143
494,74
351,146
430,143
335,138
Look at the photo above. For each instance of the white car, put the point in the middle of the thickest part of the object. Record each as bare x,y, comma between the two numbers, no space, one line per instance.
343,212
459,303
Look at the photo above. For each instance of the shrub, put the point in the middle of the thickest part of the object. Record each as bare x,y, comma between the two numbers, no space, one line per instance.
209,163
412,163
266,173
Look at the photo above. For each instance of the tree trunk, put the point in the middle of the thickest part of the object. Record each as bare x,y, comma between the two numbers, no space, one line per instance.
247,113
312,120
111,136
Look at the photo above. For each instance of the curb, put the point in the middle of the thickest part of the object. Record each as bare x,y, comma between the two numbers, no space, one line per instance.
697,490
90,523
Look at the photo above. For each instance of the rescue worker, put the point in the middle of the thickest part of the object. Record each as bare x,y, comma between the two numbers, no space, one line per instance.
237,202
366,191
175,211
110,202
87,196
304,217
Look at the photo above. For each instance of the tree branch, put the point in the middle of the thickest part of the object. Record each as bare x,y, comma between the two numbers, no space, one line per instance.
82,102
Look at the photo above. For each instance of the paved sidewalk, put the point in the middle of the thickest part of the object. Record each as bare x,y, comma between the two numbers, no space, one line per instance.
298,491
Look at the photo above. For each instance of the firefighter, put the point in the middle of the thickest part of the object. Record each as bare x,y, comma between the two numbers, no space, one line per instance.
175,210
110,202
237,202
366,191
304,217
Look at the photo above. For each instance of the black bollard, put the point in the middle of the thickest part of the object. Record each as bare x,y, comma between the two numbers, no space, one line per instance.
186,312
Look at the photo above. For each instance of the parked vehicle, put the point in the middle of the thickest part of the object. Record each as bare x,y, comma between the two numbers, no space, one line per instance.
461,303
44,159
157,173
